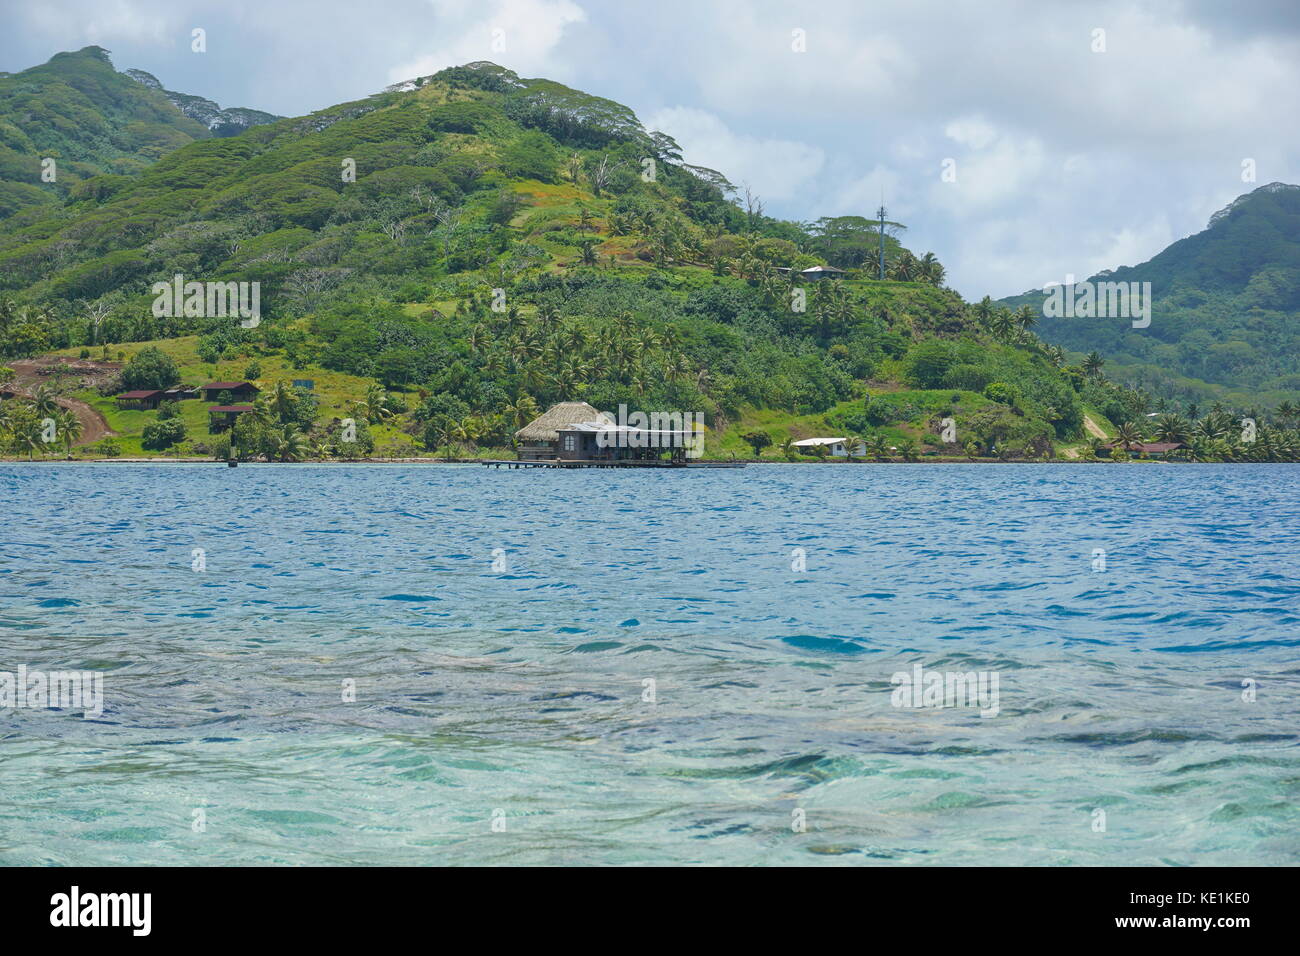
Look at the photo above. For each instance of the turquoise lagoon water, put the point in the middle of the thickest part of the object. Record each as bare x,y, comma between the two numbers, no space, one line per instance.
517,689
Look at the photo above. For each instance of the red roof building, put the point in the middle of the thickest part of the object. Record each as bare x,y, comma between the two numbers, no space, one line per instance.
140,398
221,417
1157,448
239,391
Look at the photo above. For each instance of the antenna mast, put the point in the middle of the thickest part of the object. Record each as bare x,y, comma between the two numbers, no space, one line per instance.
881,213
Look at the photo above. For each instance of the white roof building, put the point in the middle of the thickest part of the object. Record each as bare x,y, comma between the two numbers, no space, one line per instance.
836,446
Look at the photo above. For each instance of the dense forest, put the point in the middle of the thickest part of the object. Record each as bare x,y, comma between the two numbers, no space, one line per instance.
1226,312
450,256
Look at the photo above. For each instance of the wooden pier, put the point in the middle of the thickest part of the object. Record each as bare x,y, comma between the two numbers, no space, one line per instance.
605,463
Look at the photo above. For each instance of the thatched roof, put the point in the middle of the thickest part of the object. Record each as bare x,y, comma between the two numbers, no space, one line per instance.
543,428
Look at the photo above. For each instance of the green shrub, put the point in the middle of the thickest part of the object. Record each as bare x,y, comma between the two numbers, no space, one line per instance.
150,368
162,434
928,363
1002,393
972,378
220,447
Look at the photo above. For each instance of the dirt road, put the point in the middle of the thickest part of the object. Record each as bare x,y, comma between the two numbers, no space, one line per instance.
1092,427
29,375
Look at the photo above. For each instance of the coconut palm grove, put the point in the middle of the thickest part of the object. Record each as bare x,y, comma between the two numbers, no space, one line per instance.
441,262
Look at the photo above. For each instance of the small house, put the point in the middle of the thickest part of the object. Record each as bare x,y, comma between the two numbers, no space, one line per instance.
221,417
140,398
1148,449
602,440
239,391
540,438
837,447
823,272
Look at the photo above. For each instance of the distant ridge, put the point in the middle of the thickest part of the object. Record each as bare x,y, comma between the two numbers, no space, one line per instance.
222,122
1226,306
79,111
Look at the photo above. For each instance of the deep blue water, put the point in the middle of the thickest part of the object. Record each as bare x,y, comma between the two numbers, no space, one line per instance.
519,690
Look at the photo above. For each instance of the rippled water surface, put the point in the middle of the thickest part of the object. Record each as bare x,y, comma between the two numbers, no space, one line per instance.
517,689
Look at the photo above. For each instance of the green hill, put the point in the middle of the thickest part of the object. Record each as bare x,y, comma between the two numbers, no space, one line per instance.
1226,309
221,122
78,110
481,245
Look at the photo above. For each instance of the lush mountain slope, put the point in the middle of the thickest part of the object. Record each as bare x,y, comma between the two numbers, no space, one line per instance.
78,110
482,245
221,122
1226,308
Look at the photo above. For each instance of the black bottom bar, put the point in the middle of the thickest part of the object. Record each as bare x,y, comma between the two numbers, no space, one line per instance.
334,906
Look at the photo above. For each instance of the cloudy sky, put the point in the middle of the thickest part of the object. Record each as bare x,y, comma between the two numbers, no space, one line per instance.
1074,137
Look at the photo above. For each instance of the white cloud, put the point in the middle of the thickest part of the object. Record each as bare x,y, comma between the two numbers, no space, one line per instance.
776,169
1000,171
519,33
1129,246
102,23
972,131
1067,160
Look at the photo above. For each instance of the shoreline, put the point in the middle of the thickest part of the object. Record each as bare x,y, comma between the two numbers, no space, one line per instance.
726,461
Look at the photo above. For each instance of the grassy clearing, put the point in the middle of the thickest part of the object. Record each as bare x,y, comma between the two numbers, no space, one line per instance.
335,391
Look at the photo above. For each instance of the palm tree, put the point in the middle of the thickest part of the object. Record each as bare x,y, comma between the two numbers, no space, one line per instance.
477,338
8,314
1092,364
463,432
523,411
877,447
283,400
1025,320
824,313
930,269
45,400
377,409
1172,427
905,268
1127,435
548,316
68,427
1003,325
677,367
289,444
1213,427
772,285
569,375
1265,447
